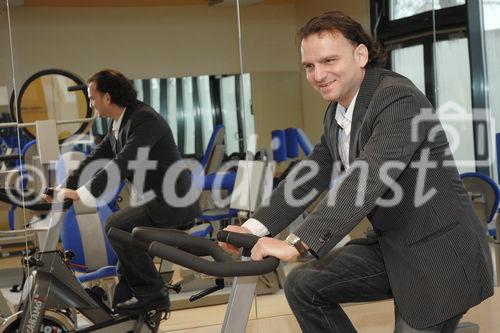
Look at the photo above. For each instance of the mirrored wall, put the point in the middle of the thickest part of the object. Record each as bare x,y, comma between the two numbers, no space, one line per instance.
184,59
164,40
9,145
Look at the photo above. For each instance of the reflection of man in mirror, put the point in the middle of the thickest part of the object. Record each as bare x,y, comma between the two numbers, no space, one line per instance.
430,255
135,127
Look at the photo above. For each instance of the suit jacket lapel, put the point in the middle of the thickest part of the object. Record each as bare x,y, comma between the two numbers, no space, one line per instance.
112,139
121,141
368,86
333,131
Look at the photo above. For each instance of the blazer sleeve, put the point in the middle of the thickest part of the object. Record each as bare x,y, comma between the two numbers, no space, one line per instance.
102,151
278,213
391,140
143,131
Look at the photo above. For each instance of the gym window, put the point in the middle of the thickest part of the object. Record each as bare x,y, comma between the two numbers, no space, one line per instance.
438,44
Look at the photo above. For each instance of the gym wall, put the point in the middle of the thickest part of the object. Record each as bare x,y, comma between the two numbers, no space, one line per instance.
147,42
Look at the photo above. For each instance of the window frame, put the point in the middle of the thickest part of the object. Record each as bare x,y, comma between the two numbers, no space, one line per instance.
465,19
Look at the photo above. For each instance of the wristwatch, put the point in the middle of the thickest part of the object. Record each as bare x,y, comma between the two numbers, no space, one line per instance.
295,241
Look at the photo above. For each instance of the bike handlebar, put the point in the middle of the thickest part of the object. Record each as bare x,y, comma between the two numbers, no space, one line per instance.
126,238
246,241
180,239
185,250
215,268
78,87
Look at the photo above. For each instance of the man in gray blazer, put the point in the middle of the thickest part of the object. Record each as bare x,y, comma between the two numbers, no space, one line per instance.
139,146
390,162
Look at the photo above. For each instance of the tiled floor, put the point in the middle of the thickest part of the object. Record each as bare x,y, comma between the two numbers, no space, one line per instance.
271,314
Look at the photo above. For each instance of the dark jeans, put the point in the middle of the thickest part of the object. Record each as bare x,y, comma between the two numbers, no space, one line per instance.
354,273
137,273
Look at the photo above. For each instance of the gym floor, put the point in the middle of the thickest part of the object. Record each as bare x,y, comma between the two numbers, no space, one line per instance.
271,314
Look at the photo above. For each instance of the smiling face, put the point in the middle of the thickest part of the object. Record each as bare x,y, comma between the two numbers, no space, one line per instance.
334,66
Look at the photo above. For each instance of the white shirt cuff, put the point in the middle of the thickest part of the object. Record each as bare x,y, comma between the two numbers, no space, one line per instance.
86,197
256,227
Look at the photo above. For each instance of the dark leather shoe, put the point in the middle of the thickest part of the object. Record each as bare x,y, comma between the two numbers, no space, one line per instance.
122,292
135,305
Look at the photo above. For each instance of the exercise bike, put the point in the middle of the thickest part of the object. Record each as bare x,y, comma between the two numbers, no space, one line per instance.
185,250
188,251
52,295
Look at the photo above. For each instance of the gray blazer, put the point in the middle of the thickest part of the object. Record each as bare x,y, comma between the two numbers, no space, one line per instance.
142,126
436,254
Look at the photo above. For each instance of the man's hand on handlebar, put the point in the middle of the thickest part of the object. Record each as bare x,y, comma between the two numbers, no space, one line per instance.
233,228
66,193
61,194
264,247
274,247
48,196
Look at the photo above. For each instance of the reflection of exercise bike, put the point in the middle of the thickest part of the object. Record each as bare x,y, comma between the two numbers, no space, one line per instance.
52,293
185,250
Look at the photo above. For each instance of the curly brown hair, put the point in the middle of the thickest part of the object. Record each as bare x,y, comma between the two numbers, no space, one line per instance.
336,21
114,83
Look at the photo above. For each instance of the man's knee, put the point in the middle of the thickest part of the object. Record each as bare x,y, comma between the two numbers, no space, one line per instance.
298,285
113,221
306,284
